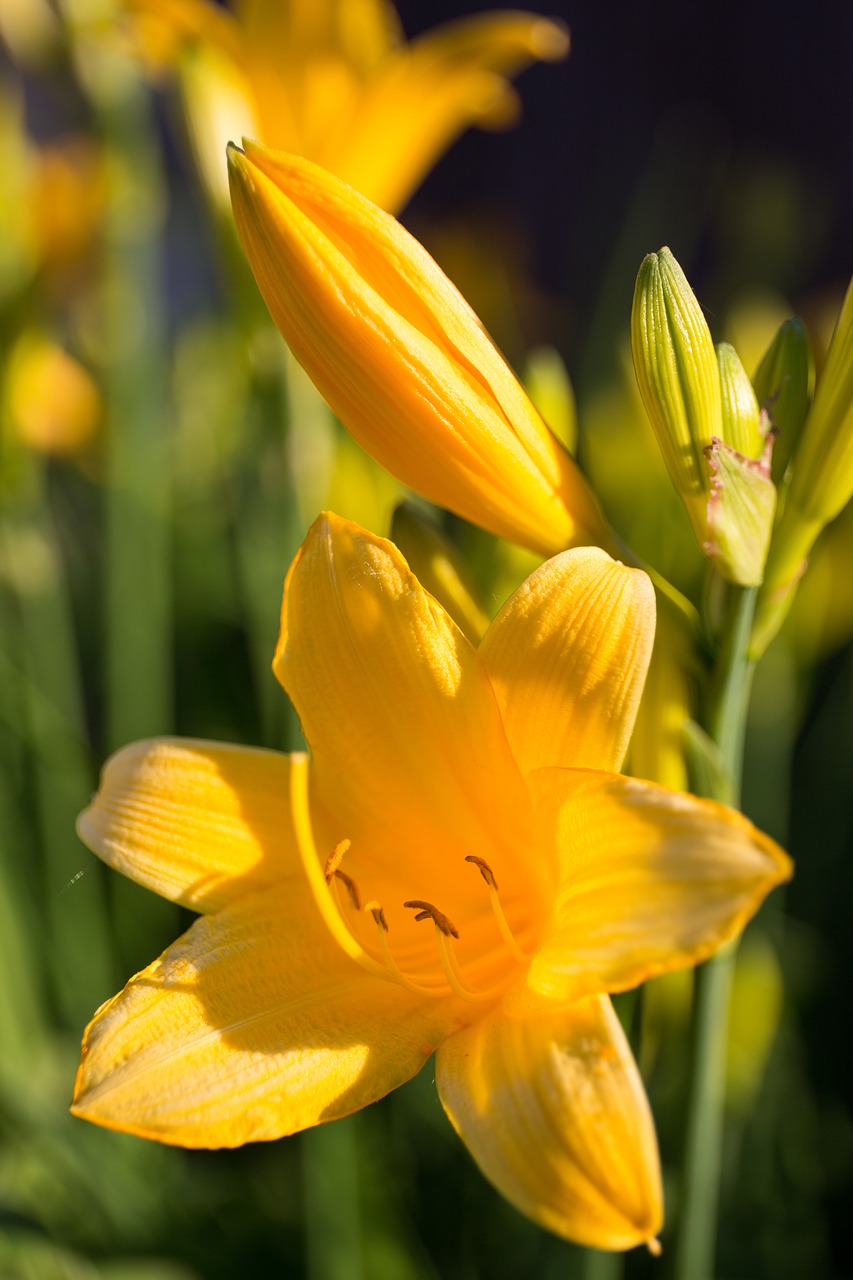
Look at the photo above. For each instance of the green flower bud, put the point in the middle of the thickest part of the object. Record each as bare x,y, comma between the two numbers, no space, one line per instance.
821,482
707,421
782,384
741,410
677,374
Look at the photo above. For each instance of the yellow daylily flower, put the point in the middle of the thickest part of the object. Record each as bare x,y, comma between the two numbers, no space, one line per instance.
401,357
458,869
333,80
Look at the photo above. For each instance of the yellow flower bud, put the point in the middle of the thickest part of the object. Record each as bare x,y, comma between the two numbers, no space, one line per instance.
400,356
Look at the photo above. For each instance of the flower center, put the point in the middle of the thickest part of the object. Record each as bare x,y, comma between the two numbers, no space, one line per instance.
376,956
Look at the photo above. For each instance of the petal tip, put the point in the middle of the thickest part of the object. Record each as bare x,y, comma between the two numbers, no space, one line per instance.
550,40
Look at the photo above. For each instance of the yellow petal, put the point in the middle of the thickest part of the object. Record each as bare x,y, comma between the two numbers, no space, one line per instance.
198,822
410,760
552,1108
400,357
252,1026
567,656
432,90
651,879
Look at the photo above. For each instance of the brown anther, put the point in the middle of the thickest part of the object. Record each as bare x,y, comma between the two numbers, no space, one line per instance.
485,870
426,911
335,859
352,888
378,914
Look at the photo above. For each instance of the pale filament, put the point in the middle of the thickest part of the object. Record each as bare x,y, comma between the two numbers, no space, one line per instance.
382,930
503,924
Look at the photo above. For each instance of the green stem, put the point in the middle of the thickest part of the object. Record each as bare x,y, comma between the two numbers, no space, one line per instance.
138,615
724,719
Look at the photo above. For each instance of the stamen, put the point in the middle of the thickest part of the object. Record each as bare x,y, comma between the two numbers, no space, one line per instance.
352,887
453,976
378,914
426,911
506,933
654,1247
301,816
335,859
444,931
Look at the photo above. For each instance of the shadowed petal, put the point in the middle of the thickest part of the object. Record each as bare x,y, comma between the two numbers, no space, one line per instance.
253,1025
197,822
651,880
567,656
552,1108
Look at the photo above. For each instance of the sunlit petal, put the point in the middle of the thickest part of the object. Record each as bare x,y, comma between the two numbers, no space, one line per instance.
252,1026
551,1106
651,879
197,822
567,657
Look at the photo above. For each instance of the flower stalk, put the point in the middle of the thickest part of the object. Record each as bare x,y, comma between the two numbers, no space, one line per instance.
724,719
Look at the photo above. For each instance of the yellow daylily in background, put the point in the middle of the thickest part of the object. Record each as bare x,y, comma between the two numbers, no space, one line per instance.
457,869
401,357
333,80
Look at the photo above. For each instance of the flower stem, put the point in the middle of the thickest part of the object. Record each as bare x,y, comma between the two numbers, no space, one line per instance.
724,719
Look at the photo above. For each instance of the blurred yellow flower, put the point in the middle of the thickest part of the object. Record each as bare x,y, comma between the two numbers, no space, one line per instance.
334,81
51,202
400,356
51,402
484,878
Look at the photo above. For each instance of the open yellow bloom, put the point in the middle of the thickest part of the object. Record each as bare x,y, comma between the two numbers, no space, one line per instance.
457,869
401,357
333,80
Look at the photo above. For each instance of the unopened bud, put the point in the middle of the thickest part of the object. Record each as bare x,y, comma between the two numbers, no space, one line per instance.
706,419
740,408
782,384
677,374
401,358
821,480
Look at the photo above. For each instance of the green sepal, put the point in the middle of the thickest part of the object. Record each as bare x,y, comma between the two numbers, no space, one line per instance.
741,508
